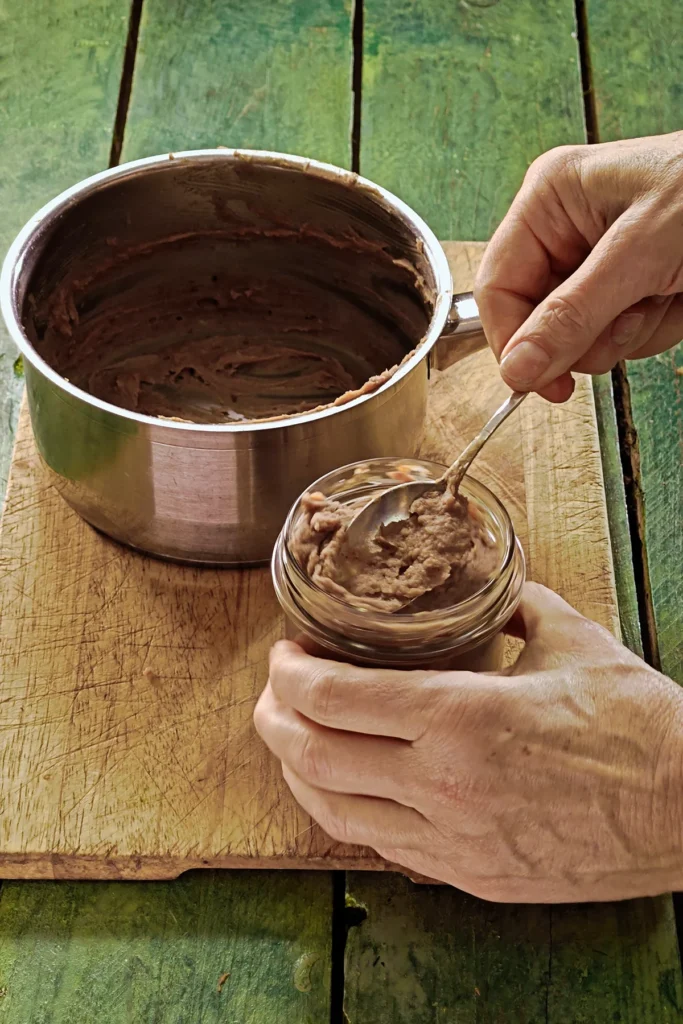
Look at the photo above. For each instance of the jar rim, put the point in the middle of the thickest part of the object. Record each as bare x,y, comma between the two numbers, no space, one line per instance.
465,606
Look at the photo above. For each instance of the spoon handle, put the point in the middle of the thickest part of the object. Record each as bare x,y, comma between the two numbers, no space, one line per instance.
453,476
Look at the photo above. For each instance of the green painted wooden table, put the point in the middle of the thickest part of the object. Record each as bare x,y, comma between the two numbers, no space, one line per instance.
445,103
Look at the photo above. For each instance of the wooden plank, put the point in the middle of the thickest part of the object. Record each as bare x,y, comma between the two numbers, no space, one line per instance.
635,59
61,66
622,554
61,131
209,947
636,64
129,750
458,99
657,402
566,503
491,87
615,962
269,75
428,954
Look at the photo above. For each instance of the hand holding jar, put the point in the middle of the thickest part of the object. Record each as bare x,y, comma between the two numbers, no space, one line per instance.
558,780
561,778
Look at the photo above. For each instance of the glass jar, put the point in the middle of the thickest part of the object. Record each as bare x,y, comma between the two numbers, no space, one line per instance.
467,635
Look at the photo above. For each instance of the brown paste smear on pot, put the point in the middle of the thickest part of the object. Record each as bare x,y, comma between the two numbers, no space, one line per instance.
438,557
235,326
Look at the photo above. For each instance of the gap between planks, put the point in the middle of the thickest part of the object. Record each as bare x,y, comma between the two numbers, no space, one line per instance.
125,88
628,437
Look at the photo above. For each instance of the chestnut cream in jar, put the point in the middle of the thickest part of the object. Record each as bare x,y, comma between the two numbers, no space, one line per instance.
457,623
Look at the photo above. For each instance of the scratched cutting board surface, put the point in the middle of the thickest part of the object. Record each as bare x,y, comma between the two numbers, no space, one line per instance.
128,684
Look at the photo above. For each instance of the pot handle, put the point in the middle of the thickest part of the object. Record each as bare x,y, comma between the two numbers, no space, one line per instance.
462,334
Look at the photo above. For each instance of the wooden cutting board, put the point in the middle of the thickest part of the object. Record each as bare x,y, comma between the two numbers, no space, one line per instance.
128,684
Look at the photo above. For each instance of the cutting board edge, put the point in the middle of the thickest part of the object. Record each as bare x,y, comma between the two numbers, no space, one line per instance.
89,867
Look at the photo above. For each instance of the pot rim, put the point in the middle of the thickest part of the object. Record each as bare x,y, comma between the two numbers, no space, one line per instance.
21,246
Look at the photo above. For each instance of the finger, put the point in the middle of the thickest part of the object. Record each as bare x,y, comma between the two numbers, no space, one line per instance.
542,614
555,634
362,820
342,762
634,330
309,645
535,248
513,277
384,702
627,338
560,390
502,313
564,326
667,334
520,267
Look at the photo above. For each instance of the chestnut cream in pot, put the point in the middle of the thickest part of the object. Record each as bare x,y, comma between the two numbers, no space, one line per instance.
205,333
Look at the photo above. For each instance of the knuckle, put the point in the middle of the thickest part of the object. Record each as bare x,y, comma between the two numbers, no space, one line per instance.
433,705
280,671
311,762
321,690
555,162
561,316
449,712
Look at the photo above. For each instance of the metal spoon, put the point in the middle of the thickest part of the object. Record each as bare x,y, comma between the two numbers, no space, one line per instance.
394,505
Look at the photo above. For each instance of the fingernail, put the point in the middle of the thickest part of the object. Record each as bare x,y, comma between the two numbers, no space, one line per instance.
525,363
626,327
659,300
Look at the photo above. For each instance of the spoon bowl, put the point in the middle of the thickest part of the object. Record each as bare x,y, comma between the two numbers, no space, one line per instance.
394,505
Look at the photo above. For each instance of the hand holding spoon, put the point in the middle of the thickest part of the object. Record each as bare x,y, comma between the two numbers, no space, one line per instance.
395,504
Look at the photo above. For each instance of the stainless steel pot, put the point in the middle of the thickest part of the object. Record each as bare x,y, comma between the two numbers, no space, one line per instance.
205,493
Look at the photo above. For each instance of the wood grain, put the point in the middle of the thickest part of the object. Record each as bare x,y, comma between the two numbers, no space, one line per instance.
426,954
459,98
114,953
657,402
128,749
615,495
637,84
569,545
59,85
273,75
635,61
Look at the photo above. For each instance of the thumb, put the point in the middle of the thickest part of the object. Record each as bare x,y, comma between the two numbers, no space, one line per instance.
564,326
547,624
